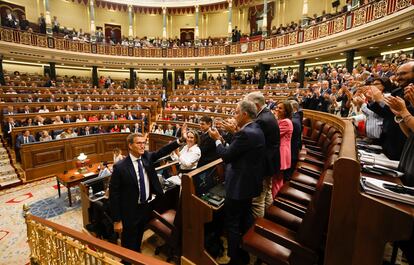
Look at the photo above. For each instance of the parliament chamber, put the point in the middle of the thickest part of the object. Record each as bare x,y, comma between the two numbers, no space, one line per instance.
292,118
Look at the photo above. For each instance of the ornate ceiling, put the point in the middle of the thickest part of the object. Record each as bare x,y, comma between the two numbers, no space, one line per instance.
166,3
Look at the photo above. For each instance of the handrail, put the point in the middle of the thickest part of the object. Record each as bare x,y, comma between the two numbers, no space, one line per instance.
337,24
51,243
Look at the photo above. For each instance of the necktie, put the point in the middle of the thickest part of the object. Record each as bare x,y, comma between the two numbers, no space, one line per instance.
25,140
142,195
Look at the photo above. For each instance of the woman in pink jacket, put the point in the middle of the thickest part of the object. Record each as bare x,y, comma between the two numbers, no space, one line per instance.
283,114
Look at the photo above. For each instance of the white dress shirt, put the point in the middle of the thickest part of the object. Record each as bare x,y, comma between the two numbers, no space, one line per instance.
146,179
188,157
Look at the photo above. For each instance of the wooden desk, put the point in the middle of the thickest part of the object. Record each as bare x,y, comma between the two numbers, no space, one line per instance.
73,178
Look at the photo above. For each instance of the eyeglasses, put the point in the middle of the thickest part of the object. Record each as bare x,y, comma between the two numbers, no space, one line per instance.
139,143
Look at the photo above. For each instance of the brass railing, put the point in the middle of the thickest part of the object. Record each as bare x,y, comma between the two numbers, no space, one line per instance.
337,24
54,244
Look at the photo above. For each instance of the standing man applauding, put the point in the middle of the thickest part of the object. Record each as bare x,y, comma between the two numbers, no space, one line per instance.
133,183
245,170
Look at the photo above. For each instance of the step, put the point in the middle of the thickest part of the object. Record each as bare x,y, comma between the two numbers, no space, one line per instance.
11,182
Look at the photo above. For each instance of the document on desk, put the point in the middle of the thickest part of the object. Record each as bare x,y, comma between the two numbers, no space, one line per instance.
88,174
175,180
385,189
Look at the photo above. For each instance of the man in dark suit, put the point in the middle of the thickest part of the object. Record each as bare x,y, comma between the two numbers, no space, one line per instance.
24,138
245,169
133,184
207,144
296,140
270,128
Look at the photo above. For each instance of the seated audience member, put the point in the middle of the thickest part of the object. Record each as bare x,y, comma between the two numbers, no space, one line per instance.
117,155
101,129
170,130
80,118
57,120
24,138
86,131
125,128
115,129
190,153
45,137
136,128
284,116
44,109
68,133
159,129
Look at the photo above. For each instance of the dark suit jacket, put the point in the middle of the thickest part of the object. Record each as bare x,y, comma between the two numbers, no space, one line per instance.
270,128
208,149
296,141
20,140
124,188
244,159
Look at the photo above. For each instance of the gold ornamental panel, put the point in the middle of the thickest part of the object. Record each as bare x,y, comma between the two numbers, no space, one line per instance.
233,49
26,38
309,34
6,34
42,41
380,9
113,50
101,49
86,47
169,53
211,51
293,38
402,4
339,24
255,46
280,42
268,43
158,52
323,30
359,16
124,50
73,46
190,52
179,52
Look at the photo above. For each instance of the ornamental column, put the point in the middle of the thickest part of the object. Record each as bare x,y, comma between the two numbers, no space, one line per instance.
2,81
132,76
95,81
262,79
164,26
350,60
305,10
301,77
48,20
52,71
196,76
92,16
196,33
131,23
230,28
264,26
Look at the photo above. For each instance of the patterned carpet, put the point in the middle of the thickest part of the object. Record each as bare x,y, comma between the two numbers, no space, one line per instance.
42,197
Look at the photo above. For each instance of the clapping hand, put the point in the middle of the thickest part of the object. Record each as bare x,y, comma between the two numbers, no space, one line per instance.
409,93
214,134
396,104
184,131
230,126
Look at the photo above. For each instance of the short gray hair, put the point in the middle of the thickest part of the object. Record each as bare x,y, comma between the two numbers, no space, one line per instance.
248,107
295,105
256,97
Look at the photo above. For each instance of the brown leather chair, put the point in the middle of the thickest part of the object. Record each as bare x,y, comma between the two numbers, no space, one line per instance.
168,226
317,127
275,244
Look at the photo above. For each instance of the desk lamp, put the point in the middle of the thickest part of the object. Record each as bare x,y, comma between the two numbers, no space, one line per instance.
82,161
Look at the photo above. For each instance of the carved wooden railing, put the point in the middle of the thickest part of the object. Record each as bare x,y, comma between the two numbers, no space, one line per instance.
51,243
337,24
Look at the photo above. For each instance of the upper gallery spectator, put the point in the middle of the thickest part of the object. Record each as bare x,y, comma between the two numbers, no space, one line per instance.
42,23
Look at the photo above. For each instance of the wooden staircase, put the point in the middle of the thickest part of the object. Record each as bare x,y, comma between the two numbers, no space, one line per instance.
9,174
